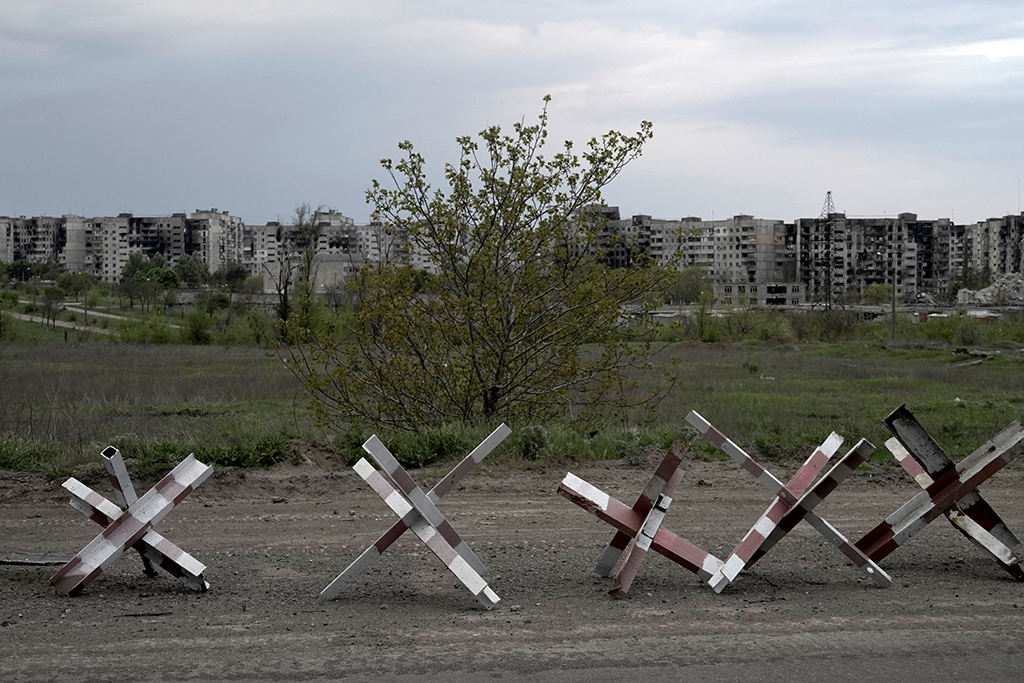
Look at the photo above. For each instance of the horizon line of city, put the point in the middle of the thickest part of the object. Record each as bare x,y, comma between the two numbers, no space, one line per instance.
324,209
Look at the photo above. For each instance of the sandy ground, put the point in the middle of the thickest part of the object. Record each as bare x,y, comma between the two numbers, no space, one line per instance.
950,610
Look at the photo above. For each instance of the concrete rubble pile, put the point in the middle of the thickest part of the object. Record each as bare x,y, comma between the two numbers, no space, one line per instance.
1008,290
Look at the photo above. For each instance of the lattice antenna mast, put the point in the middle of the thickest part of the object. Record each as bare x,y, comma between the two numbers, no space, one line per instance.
824,253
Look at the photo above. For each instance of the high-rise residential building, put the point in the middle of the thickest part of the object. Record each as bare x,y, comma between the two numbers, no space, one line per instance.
922,257
216,238
994,246
111,246
839,257
40,239
834,257
750,260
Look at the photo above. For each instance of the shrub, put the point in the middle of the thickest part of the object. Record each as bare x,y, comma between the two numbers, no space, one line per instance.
418,449
211,302
968,332
826,326
152,459
6,325
198,326
147,330
533,443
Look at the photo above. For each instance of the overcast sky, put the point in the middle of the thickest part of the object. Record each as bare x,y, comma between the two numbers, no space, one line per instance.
253,106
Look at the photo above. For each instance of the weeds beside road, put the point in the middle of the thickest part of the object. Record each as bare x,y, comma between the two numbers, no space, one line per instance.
61,404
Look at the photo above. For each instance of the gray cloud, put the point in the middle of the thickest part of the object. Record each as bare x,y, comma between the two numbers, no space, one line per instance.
256,106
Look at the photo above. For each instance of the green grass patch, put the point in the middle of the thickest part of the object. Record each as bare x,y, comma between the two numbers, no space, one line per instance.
62,403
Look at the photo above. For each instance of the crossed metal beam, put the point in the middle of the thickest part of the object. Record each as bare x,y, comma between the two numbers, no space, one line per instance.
794,502
129,525
640,525
949,490
417,510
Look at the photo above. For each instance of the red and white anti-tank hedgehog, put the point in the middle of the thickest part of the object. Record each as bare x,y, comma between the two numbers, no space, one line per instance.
129,525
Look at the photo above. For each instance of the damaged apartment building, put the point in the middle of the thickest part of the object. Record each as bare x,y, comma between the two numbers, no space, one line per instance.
824,261
101,246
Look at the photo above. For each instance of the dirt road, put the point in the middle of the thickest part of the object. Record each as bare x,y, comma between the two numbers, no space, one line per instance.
62,323
802,613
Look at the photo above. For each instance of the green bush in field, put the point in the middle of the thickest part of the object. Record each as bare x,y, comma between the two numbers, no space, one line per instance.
968,332
243,327
149,329
877,294
211,302
1013,327
411,450
260,327
350,443
827,326
533,443
198,328
7,326
674,331
430,445
958,329
775,326
229,333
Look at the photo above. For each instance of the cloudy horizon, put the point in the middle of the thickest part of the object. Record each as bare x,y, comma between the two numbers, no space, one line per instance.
758,107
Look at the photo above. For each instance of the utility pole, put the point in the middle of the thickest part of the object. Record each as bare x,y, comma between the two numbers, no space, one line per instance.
892,234
893,316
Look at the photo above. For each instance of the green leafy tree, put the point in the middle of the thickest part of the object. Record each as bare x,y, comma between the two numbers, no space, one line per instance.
232,276
294,274
976,279
134,265
877,294
145,279
969,279
167,278
53,296
211,302
253,284
689,284
704,320
131,277
50,270
192,272
306,236
521,319
21,270
75,284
